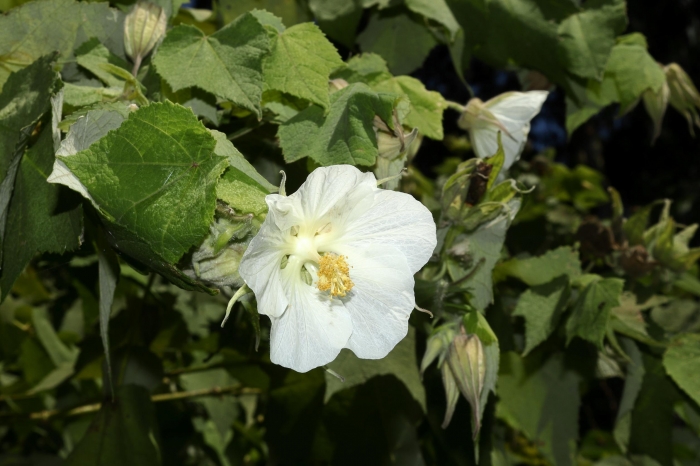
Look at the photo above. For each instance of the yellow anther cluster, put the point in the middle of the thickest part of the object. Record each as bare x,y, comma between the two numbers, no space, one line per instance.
334,275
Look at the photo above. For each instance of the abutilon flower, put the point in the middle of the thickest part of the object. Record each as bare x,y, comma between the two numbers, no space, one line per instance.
333,266
509,113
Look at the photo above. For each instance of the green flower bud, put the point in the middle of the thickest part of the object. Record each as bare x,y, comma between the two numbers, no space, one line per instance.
437,346
144,26
468,365
217,259
655,104
393,146
683,94
451,393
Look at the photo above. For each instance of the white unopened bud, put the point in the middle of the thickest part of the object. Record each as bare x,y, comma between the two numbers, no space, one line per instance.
144,26
468,365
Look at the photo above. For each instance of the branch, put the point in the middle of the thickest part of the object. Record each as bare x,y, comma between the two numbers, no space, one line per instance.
91,408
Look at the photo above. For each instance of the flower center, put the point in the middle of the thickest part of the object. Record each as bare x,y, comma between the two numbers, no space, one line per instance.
334,275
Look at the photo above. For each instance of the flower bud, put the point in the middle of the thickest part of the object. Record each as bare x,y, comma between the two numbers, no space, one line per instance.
655,104
143,28
217,259
393,146
683,94
468,365
334,85
437,346
451,393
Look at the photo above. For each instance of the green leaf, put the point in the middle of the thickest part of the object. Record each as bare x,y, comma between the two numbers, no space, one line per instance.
144,175
542,306
634,71
123,432
635,226
338,18
400,362
108,274
400,38
92,56
438,11
652,420
40,28
484,249
241,186
591,311
345,134
426,106
300,61
25,98
291,12
543,269
40,217
222,410
227,64
682,363
587,37
633,384
541,399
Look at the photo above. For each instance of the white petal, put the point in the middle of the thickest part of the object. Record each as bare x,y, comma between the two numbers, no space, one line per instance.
394,219
515,110
485,141
328,187
381,301
260,268
284,211
311,332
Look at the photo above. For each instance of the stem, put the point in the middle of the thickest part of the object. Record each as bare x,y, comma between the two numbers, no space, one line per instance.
91,408
137,65
455,106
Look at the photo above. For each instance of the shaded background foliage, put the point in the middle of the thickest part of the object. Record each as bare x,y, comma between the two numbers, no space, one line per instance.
240,409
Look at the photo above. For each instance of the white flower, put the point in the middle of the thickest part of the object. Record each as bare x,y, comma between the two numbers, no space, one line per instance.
333,266
510,113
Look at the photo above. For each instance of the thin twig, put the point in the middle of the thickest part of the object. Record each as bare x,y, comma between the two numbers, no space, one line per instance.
91,408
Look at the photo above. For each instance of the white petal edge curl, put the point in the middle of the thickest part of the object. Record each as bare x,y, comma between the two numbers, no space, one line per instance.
311,332
260,269
381,301
394,219
514,110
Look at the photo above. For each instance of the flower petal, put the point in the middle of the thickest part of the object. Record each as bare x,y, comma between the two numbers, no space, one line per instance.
311,332
381,301
260,268
327,187
394,219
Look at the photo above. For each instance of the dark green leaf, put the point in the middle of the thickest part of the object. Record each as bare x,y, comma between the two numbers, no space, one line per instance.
591,312
123,432
542,307
400,362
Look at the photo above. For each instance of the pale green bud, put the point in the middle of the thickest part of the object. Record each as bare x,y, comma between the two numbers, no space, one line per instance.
393,146
217,259
683,94
144,26
334,85
468,365
437,346
451,393
655,104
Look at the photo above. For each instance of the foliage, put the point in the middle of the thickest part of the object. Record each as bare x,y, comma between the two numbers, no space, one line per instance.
134,175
